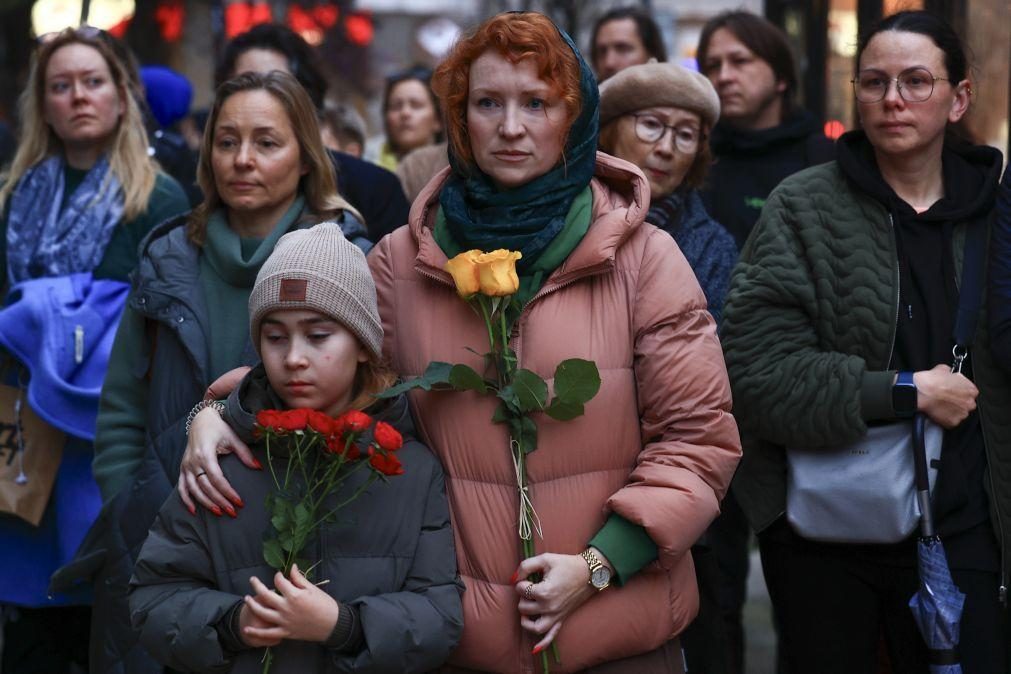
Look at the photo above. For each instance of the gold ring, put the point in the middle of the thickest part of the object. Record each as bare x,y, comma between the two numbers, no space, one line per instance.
202,473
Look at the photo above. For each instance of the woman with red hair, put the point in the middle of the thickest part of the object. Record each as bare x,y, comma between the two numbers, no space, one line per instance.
622,491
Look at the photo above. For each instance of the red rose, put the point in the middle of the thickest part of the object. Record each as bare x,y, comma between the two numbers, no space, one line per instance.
320,422
356,421
335,445
387,464
268,419
338,426
293,420
388,437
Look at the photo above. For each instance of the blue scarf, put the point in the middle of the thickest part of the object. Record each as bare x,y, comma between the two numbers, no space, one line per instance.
526,218
45,240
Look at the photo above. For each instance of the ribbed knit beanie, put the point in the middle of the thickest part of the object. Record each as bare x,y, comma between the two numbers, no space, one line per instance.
318,269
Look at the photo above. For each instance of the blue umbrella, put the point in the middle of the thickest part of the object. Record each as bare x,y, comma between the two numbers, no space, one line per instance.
937,604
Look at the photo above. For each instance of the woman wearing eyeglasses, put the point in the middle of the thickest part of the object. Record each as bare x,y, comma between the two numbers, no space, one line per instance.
79,197
840,316
658,116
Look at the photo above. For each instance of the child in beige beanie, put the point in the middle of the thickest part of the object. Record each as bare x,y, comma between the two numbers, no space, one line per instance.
203,597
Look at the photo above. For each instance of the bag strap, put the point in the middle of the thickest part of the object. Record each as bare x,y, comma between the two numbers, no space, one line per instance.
970,298
970,295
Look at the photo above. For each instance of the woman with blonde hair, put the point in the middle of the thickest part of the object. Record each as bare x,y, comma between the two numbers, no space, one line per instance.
264,172
621,492
78,199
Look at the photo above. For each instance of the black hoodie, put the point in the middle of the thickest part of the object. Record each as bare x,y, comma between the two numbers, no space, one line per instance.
750,164
928,299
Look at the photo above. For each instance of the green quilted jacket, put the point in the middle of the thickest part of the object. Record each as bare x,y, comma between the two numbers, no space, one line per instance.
808,331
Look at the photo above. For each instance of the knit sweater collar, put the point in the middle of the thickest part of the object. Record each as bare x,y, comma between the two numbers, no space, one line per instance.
223,250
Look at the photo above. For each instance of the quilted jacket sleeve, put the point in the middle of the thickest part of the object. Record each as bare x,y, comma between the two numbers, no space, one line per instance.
788,388
415,629
690,440
999,291
173,603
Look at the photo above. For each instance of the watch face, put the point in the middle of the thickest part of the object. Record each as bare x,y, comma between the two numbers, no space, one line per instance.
904,399
600,577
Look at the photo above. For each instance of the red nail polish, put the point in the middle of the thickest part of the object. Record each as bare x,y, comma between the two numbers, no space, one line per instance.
216,510
238,502
230,510
193,511
537,649
256,464
515,578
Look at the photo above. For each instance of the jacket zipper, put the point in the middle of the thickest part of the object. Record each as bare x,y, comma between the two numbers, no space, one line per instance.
585,273
898,294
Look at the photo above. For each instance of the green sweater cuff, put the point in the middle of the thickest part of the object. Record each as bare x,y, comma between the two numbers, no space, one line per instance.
627,547
876,395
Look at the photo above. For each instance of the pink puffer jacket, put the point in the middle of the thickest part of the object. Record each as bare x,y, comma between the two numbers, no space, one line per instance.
657,445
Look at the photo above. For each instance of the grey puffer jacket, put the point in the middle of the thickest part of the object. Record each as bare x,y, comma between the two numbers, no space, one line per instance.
390,556
176,361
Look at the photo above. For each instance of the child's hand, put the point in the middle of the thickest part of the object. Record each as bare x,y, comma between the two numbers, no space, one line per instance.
254,631
298,609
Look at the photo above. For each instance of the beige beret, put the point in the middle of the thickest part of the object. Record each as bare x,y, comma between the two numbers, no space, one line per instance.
658,84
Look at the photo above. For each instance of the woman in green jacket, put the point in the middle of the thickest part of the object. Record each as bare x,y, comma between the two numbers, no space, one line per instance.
840,316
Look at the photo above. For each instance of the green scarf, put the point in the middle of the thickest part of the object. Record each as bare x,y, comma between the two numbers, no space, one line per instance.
228,268
529,217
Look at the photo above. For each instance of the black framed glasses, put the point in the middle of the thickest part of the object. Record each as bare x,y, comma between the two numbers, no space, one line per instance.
914,85
649,129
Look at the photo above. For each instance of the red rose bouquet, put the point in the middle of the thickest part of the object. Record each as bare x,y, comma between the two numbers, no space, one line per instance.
322,453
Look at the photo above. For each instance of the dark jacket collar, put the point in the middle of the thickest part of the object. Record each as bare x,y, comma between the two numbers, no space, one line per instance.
727,139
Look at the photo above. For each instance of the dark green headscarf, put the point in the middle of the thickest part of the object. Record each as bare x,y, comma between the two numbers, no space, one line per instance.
527,217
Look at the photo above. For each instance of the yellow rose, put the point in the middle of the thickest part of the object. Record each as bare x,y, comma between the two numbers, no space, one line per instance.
463,268
496,272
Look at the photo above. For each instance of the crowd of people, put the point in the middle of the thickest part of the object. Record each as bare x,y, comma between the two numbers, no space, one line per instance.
747,289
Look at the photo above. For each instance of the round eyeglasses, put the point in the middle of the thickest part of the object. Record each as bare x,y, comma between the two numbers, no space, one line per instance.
914,85
650,129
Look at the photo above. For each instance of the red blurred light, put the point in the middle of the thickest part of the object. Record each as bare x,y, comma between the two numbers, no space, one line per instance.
834,128
359,29
170,16
241,16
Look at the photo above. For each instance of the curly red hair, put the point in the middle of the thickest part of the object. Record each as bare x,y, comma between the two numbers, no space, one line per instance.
516,36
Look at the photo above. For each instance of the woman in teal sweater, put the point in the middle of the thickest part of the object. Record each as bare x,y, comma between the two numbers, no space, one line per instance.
79,197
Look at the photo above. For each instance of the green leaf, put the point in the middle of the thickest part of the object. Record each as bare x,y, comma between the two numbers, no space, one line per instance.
576,380
283,515
531,390
524,430
507,394
436,373
286,540
303,518
501,414
272,553
464,378
564,411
